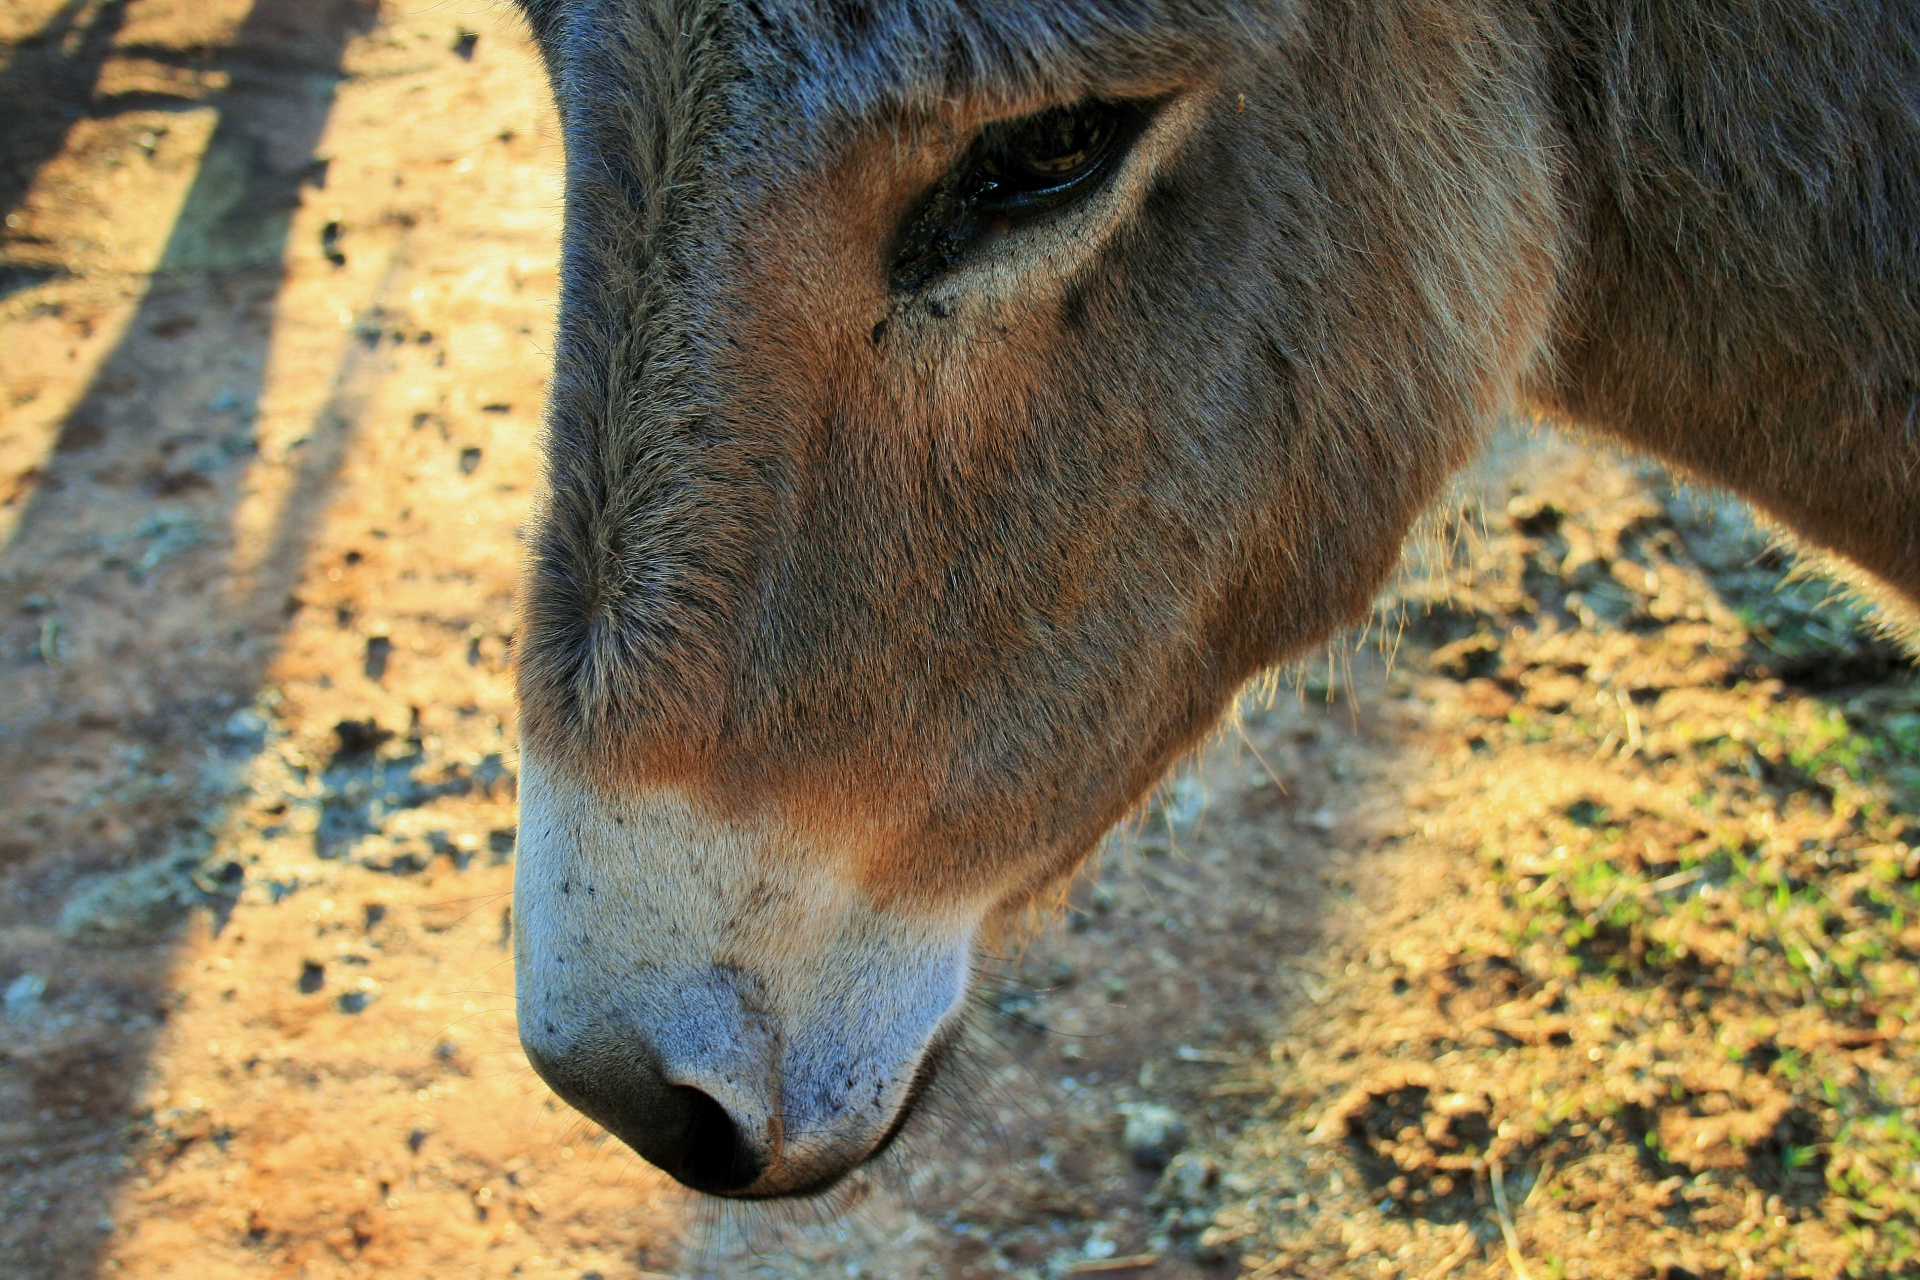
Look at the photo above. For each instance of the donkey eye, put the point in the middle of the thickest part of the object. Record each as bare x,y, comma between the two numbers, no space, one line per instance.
1015,170
1043,159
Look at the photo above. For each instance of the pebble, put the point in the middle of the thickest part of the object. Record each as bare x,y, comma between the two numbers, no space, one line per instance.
130,907
1152,1134
1188,1178
23,994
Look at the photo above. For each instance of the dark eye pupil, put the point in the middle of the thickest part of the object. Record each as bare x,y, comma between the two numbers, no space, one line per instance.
1044,156
1015,171
1059,146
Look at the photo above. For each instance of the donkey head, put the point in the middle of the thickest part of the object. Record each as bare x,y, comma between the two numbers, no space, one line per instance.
954,404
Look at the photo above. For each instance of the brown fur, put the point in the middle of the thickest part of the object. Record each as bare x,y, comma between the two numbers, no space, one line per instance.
950,581
911,580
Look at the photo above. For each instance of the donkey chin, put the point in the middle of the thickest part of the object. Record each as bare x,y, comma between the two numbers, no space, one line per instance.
746,1019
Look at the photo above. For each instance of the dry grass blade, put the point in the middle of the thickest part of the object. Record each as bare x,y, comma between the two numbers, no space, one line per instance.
1540,1182
1507,1231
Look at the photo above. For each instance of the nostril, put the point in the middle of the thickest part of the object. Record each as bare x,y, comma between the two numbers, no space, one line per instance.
713,1158
676,1127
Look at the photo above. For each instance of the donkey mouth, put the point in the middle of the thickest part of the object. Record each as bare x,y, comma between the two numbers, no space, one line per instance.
749,1026
938,1054
688,1135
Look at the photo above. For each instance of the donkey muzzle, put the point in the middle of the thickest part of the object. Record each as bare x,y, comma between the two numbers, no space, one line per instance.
716,994
678,1128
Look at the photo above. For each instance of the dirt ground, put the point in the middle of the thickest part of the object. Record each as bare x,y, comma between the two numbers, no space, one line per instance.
1578,939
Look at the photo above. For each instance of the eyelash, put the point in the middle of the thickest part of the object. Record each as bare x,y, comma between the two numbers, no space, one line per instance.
1014,172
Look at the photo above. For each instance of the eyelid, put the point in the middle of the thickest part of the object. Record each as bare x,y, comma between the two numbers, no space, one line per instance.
956,212
1111,138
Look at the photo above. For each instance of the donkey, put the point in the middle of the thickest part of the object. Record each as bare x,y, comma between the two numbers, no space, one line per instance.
956,401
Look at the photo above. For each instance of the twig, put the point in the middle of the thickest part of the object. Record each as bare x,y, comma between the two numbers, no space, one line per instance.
1168,880
1633,722
1512,1236
1599,913
1310,984
1132,1262
1678,880
1209,1057
1460,1251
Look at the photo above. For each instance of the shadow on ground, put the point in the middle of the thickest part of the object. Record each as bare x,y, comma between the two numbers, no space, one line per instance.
127,651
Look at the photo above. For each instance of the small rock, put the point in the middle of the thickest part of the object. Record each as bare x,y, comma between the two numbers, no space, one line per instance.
1212,1248
167,533
379,650
330,243
405,863
313,976
1535,517
222,881
1152,1133
1477,655
245,727
358,739
1098,1246
1187,1179
23,995
130,907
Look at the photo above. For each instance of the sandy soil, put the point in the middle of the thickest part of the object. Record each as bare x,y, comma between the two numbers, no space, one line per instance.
1595,905
1639,997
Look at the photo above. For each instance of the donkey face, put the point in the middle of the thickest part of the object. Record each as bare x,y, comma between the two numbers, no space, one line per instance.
953,405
